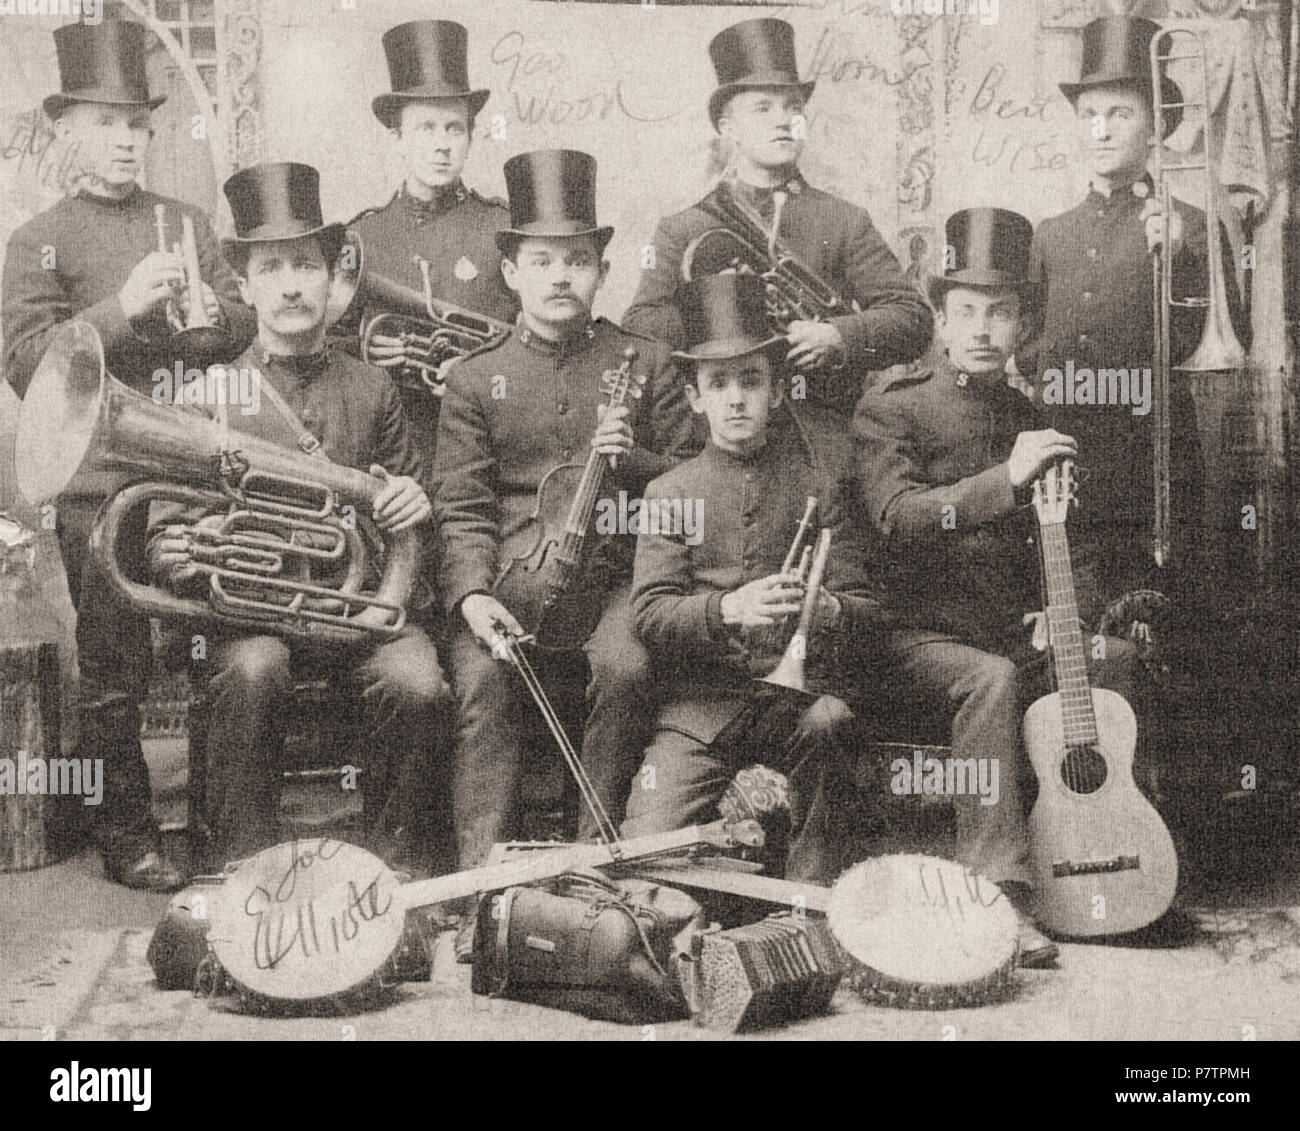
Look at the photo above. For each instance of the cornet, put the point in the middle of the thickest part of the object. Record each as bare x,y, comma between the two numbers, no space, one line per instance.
195,338
282,514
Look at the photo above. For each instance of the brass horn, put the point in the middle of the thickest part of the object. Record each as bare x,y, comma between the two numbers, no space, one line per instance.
1219,348
790,671
280,514
433,331
196,336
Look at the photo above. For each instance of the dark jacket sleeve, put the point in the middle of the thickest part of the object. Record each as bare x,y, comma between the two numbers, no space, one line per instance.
895,324
240,320
906,509
395,449
34,304
465,499
671,619
851,575
653,312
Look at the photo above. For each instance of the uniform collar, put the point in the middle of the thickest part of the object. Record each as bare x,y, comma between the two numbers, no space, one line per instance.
444,197
575,343
1102,196
760,198
950,377
302,366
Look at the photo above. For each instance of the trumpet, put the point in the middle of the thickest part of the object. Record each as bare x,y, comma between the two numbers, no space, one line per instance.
1219,348
789,672
793,292
289,550
196,336
433,332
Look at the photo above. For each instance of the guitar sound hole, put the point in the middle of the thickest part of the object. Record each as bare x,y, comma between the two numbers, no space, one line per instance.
1083,770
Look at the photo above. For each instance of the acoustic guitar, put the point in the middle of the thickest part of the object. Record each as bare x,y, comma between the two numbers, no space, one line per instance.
1103,862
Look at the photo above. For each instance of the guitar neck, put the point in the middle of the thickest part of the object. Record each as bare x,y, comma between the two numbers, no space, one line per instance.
536,866
1066,634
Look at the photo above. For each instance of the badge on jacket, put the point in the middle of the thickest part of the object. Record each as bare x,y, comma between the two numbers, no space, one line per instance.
465,269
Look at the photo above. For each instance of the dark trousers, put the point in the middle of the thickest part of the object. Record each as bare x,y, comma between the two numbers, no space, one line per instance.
498,717
114,654
404,703
986,694
683,778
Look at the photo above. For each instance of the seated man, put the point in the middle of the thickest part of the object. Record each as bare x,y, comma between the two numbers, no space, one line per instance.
709,604
283,253
947,460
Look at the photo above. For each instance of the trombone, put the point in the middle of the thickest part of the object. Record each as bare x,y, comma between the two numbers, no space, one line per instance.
1219,348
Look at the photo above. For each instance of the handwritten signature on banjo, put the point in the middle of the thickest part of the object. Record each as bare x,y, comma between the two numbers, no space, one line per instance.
286,924
979,892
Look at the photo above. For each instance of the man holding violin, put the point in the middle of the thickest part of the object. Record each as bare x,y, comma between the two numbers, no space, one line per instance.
94,256
513,416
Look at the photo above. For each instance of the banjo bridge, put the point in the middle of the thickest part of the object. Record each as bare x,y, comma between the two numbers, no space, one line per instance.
1091,867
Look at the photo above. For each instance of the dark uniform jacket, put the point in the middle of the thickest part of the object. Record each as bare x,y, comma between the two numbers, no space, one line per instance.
751,507
512,413
96,244
1097,272
834,239
926,442
456,233
350,407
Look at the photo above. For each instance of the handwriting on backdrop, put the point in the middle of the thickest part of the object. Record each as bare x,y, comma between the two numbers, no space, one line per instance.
526,65
32,144
326,922
1007,145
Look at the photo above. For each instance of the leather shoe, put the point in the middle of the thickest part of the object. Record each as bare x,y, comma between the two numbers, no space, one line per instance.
149,870
1037,951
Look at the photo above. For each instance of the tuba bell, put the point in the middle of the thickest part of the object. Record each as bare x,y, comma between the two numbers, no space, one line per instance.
291,549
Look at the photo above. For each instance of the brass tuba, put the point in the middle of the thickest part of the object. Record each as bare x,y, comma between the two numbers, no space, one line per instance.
279,514
433,331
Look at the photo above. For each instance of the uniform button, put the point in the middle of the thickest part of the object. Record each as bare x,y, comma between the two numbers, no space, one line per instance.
566,454
561,408
1101,212
1092,253
1083,338
1087,296
749,477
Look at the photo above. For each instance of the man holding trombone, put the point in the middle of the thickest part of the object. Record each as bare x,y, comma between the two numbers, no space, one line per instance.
95,256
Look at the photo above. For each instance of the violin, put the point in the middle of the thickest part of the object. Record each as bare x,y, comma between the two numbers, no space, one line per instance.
550,553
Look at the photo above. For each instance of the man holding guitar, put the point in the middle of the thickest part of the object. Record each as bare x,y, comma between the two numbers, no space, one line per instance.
947,459
514,416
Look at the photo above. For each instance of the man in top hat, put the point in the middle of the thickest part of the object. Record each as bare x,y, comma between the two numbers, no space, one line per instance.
1095,266
511,414
94,256
947,460
317,400
758,110
718,612
430,117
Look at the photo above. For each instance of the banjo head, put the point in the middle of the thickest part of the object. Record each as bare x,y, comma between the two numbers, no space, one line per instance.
307,919
922,932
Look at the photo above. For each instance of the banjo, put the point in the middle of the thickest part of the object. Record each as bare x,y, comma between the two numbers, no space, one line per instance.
312,919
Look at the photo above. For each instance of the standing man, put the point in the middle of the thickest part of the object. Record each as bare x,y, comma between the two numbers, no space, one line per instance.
758,109
285,254
1095,265
94,256
511,415
430,117
947,459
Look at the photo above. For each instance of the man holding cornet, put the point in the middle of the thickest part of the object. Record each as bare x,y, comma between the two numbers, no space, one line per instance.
320,401
95,256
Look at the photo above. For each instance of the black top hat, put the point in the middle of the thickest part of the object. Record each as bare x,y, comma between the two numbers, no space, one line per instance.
101,63
426,59
990,249
753,53
1117,49
276,200
552,193
724,316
